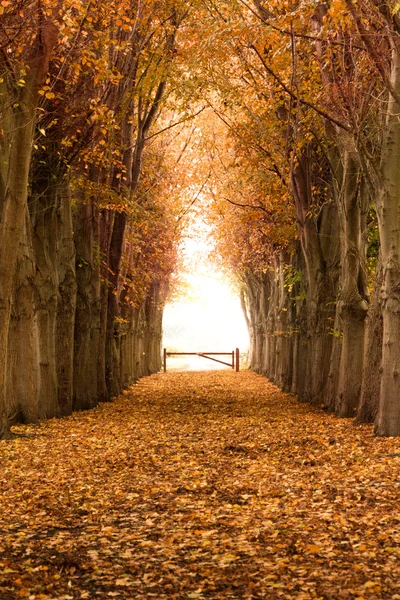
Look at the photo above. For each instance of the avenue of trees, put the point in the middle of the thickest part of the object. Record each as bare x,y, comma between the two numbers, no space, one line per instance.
281,118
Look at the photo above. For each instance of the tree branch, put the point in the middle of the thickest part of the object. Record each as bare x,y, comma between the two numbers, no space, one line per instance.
175,124
371,50
296,97
252,206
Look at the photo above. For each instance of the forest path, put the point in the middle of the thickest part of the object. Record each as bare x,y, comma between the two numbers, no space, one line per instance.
200,485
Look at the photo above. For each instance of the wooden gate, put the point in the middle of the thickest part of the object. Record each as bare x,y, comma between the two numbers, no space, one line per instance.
234,364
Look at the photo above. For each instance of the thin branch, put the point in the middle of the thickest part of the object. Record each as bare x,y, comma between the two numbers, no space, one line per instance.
185,145
371,50
180,217
188,118
275,169
305,36
296,97
252,206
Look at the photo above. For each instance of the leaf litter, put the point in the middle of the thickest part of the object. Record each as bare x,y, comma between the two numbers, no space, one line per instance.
200,485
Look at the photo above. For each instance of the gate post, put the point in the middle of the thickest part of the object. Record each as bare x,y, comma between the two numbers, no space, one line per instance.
165,360
237,360
233,359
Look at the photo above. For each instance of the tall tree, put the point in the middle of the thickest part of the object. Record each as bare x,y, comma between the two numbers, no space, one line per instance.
28,34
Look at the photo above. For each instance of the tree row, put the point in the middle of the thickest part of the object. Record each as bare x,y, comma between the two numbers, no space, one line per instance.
305,203
89,209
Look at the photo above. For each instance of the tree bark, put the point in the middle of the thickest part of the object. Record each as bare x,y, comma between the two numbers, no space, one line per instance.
320,251
12,228
87,346
371,380
388,209
23,371
66,306
353,293
15,156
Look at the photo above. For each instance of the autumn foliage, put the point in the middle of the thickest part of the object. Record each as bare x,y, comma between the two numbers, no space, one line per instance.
277,123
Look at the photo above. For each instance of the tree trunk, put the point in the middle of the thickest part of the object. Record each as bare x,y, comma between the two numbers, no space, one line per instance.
12,228
352,303
66,307
113,379
18,122
87,344
331,391
43,212
371,381
253,295
23,372
388,209
320,250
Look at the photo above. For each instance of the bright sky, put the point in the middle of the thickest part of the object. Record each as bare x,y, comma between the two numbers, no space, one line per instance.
210,319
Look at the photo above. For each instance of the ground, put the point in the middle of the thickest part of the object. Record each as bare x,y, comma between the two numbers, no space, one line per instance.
200,485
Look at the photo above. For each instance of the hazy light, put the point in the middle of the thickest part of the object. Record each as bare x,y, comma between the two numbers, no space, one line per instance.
210,319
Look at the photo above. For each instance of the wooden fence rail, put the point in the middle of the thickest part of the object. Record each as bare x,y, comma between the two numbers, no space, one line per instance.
234,364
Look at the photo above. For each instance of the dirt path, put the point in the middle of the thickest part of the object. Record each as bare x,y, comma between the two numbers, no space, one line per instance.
200,485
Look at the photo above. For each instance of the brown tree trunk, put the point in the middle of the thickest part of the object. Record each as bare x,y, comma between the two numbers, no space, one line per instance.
12,228
331,391
388,418
153,307
43,213
66,306
87,344
352,301
18,121
23,372
267,325
113,380
320,250
371,381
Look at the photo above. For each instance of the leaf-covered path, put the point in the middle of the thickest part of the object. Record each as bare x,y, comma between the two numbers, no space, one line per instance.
200,485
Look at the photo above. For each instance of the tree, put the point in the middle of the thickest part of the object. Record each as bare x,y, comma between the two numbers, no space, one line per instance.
28,35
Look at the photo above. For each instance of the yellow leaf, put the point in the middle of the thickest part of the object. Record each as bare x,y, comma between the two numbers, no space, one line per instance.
313,548
370,584
122,582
